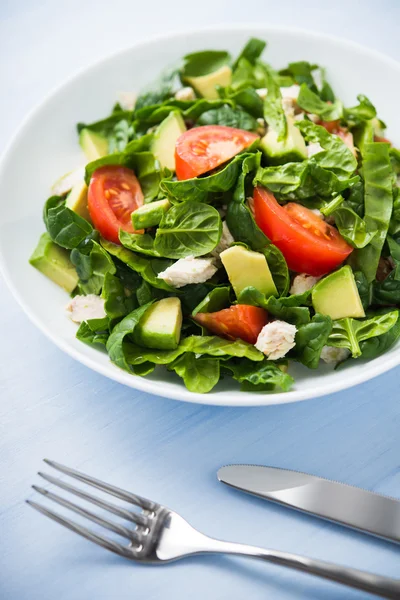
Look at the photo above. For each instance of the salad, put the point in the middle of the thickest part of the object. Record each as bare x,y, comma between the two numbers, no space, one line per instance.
229,220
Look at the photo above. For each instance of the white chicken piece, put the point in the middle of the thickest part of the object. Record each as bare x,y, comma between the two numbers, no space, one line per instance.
185,94
314,148
84,308
127,100
65,183
188,270
302,283
262,92
226,240
332,355
276,339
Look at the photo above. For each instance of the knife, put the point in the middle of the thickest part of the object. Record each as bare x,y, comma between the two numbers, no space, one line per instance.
353,507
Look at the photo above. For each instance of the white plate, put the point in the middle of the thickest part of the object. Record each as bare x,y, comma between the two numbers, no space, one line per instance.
46,146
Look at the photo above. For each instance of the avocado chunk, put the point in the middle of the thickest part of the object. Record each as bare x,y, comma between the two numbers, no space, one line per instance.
247,268
205,85
160,327
54,262
149,215
292,149
163,146
337,295
77,200
93,144
65,183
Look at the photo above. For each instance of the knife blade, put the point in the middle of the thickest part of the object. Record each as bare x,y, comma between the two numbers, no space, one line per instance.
350,506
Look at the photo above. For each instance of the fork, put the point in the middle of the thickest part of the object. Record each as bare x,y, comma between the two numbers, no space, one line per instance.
158,535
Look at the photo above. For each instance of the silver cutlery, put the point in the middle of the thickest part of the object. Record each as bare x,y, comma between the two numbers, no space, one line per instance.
350,506
157,535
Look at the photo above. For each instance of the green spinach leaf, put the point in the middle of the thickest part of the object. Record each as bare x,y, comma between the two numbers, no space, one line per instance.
312,103
65,227
138,242
199,374
363,111
92,263
188,229
349,333
94,332
200,189
287,309
252,50
378,205
273,110
239,219
202,63
228,117
210,345
265,375
337,157
352,227
310,339
364,289
216,299
148,268
116,341
117,303
378,345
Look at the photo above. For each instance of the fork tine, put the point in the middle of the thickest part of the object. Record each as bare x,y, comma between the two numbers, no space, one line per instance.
117,510
86,533
119,529
105,487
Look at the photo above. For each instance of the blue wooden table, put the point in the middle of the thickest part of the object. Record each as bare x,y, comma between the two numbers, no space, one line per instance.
52,406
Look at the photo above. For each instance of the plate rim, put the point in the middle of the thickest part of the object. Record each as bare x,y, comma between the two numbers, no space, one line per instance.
239,399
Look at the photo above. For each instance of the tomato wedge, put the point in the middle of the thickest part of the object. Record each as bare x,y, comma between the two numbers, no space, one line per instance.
330,126
114,193
308,243
202,149
239,321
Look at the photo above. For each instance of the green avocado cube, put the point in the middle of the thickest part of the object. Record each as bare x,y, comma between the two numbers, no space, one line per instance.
247,268
54,262
165,136
149,215
93,144
160,327
292,149
206,85
336,295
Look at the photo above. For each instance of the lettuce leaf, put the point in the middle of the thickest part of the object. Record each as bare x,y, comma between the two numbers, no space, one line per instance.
252,50
310,339
199,374
188,229
312,103
273,109
288,309
378,182
337,157
349,333
262,376
202,63
200,189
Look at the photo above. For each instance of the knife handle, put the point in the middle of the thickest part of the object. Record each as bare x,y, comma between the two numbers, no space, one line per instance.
384,587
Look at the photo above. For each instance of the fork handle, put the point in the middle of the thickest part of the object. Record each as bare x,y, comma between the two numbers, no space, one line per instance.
384,587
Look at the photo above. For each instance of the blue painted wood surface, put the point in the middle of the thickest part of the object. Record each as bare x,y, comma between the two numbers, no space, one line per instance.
52,406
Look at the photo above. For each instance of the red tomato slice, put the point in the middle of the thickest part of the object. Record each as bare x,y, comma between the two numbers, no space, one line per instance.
379,138
202,149
239,321
308,243
330,126
114,193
